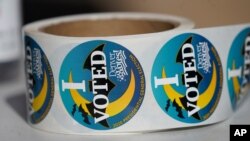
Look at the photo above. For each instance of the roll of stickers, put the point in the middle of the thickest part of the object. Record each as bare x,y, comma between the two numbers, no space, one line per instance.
133,73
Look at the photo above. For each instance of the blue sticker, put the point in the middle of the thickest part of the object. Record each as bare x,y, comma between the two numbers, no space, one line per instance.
238,66
102,84
187,78
40,81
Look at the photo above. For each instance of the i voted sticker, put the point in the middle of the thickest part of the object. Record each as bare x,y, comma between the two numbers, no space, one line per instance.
102,84
238,67
40,81
187,78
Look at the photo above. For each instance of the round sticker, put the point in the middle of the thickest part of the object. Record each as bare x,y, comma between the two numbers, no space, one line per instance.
102,84
40,81
238,66
187,78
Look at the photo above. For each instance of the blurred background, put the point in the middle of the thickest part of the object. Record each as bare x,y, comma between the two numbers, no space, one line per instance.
203,12
16,13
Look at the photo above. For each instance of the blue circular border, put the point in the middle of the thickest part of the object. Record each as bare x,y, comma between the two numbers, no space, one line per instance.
166,59
236,54
39,115
75,62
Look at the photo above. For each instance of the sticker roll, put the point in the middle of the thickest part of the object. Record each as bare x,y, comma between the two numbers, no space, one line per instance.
132,73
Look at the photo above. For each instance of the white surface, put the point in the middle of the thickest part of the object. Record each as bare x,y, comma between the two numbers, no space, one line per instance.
10,25
13,125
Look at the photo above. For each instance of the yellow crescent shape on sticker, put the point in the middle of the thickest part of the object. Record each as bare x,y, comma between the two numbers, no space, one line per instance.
77,98
236,83
39,100
204,97
113,108
120,104
170,92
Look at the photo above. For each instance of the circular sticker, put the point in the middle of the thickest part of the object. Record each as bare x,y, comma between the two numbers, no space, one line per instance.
187,78
238,66
102,84
40,81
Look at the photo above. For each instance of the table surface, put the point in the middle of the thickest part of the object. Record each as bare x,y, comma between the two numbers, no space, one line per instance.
13,125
